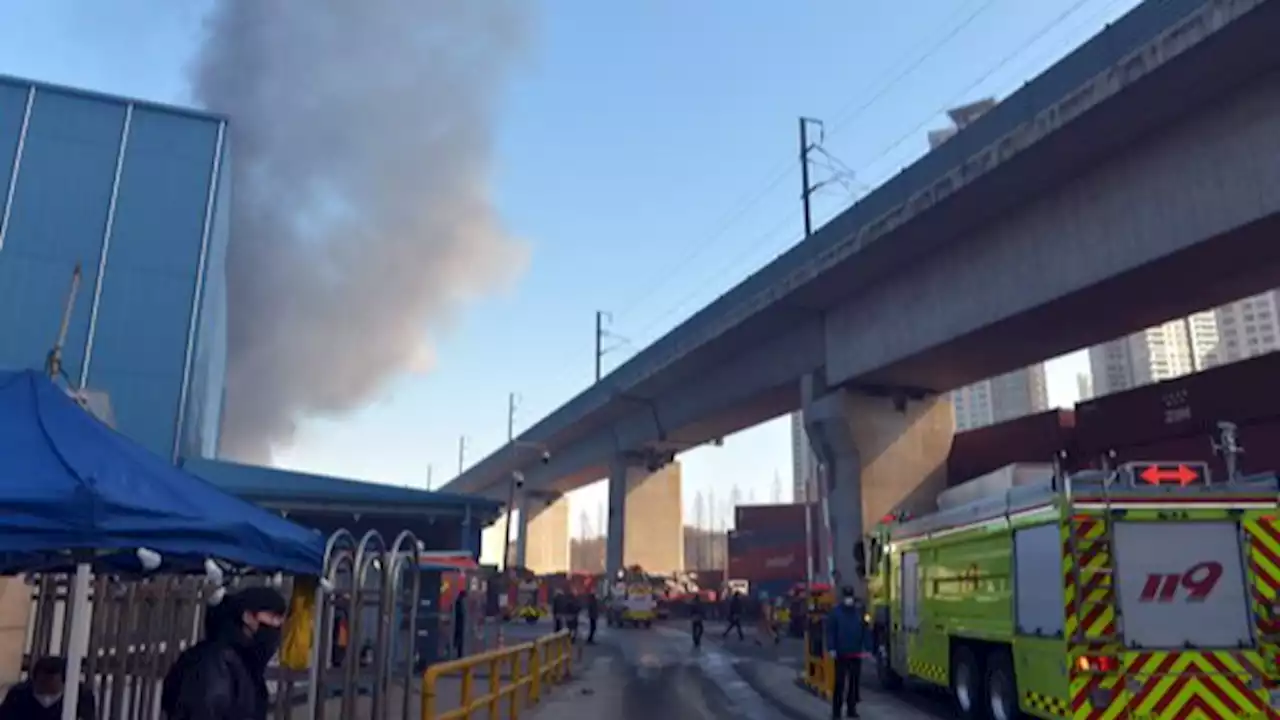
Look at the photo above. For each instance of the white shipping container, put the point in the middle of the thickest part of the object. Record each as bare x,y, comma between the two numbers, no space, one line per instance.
995,483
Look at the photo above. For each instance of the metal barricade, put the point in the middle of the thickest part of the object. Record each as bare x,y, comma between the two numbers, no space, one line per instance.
530,670
819,668
375,587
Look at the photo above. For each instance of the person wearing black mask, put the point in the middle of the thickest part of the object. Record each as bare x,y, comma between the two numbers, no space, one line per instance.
223,677
40,697
848,641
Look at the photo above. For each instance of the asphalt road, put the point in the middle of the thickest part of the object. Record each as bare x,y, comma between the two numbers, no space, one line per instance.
656,674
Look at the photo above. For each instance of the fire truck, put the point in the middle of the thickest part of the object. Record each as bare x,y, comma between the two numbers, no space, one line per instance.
1146,591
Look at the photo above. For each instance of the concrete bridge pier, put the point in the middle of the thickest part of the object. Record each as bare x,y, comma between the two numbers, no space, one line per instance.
542,544
646,521
880,454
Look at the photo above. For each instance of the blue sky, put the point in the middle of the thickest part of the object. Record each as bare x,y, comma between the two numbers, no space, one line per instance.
647,156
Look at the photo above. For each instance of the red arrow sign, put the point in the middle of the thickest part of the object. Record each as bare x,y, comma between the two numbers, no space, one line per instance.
1156,475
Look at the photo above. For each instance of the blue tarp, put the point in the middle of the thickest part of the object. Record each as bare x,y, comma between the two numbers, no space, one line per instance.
68,482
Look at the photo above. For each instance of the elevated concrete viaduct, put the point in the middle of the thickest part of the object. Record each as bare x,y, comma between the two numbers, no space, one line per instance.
1133,182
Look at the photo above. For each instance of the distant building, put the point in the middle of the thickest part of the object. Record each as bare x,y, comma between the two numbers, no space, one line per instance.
1165,351
1231,332
1004,397
1084,387
1008,396
131,192
1248,327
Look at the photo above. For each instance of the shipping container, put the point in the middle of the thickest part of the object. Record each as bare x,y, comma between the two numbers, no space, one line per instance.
1245,393
1030,439
709,579
751,539
768,519
998,481
1260,440
773,589
756,517
763,564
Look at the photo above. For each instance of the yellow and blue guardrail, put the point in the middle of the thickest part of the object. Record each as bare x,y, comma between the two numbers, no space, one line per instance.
516,678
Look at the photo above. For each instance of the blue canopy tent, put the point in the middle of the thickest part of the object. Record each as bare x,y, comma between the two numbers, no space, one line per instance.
70,483
75,493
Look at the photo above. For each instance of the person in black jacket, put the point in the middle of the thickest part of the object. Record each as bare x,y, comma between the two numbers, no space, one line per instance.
40,697
557,610
223,676
735,616
572,609
593,617
698,613
460,624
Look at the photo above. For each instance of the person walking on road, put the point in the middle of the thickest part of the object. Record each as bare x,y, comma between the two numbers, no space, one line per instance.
572,609
593,617
223,677
557,610
848,641
460,624
697,612
735,616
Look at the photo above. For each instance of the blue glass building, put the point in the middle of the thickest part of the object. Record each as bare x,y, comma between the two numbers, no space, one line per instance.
133,193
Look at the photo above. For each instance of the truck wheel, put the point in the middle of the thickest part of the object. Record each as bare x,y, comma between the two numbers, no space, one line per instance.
966,684
1002,687
889,678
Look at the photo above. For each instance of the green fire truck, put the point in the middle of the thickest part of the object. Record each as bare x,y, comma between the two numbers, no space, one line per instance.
1147,591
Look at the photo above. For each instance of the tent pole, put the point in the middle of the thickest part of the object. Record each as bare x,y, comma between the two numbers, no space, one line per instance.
78,645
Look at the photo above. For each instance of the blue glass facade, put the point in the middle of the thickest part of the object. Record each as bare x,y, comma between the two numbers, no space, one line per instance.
132,193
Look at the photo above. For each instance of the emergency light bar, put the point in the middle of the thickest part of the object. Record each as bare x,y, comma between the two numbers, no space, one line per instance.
1165,474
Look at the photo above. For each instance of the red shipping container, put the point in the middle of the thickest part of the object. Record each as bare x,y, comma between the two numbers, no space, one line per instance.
755,517
1033,438
769,563
1261,442
1245,393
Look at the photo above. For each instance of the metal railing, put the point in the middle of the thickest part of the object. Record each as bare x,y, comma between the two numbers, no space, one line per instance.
514,678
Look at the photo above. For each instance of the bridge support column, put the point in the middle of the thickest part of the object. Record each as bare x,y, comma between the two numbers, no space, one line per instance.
646,519
542,545
879,455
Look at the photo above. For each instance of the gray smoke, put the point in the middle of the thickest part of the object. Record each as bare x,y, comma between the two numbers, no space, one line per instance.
361,137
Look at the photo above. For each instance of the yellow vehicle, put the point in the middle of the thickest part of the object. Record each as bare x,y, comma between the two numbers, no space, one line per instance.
1149,592
639,609
529,613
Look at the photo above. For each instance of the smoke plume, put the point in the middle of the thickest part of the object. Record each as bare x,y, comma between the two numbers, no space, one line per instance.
361,140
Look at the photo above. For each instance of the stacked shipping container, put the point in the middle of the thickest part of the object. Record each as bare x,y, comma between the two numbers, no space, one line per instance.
767,547
1171,420
1177,419
1030,439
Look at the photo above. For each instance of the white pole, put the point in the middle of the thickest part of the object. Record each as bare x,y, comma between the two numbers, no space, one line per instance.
78,643
808,530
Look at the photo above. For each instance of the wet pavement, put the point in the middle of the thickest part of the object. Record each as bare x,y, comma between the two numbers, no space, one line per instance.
648,674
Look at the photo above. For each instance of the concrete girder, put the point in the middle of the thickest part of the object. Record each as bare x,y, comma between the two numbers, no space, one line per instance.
1175,223
669,422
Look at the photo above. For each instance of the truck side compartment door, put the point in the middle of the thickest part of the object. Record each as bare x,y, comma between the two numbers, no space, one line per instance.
907,630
